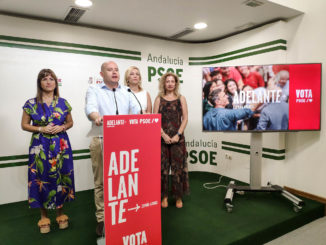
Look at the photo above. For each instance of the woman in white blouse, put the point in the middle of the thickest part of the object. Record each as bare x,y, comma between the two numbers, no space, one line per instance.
133,81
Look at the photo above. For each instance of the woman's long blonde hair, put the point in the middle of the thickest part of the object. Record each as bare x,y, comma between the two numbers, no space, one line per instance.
127,73
161,86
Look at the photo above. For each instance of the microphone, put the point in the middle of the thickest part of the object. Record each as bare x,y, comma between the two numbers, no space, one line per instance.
141,109
115,100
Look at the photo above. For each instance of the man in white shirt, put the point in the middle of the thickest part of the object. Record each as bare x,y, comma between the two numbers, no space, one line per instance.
109,98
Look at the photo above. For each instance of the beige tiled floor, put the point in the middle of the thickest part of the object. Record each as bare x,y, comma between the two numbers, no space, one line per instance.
313,233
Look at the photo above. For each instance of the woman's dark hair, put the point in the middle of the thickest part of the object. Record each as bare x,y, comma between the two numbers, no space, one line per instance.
206,89
42,74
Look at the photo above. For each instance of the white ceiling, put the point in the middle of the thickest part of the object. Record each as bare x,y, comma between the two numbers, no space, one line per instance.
158,18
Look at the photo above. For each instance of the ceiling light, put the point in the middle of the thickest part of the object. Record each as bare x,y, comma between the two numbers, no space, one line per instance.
83,3
200,25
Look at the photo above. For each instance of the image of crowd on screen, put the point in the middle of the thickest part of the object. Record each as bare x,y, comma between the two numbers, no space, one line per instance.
264,86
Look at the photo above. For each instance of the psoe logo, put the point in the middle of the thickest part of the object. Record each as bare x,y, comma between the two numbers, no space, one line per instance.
95,80
113,123
303,95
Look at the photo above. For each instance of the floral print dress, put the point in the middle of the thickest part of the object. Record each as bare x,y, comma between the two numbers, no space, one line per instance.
50,168
173,156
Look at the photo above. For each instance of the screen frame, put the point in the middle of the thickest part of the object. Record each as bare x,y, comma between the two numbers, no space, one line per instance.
266,131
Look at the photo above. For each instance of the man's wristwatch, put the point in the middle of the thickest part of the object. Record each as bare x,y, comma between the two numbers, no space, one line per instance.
179,134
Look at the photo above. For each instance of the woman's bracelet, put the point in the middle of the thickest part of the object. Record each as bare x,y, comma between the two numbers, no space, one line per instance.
40,129
64,128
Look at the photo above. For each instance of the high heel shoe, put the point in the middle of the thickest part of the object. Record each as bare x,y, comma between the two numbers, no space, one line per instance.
62,221
44,225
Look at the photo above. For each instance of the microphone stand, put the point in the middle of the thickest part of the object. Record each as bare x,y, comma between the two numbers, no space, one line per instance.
141,109
115,100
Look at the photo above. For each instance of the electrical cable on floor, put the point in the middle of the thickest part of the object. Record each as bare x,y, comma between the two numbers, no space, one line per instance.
206,185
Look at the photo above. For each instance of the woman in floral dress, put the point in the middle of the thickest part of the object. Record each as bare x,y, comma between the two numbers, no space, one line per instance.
50,168
173,107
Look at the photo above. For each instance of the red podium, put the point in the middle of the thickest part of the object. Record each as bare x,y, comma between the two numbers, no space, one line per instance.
132,179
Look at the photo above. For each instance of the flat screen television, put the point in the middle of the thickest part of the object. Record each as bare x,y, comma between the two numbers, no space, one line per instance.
251,98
